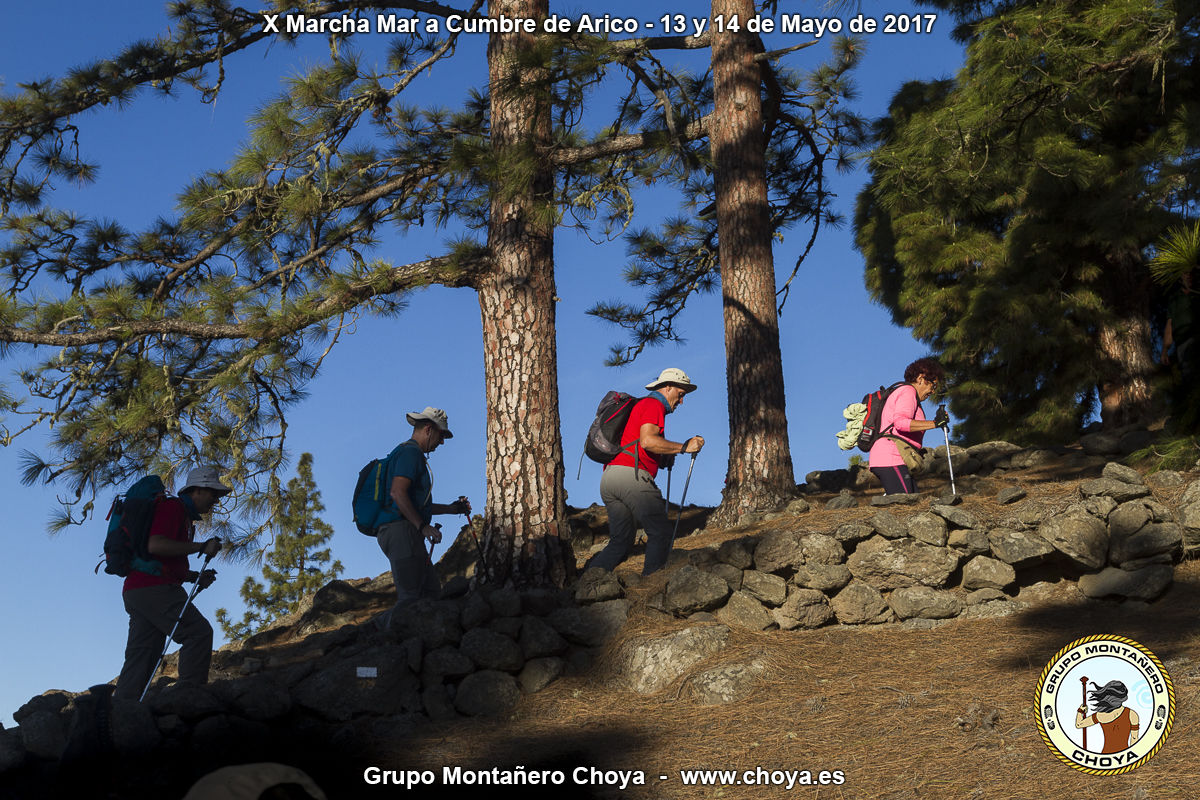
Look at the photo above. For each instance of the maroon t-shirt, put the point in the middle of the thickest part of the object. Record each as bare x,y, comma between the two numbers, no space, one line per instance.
648,410
170,520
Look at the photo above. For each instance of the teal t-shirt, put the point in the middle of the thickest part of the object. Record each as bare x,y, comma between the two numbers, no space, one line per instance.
408,461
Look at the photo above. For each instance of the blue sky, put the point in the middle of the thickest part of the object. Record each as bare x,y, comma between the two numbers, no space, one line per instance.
65,627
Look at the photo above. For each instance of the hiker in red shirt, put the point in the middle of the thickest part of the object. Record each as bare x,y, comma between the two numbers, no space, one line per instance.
154,601
628,489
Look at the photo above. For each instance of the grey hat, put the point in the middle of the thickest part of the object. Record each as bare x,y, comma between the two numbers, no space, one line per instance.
434,415
673,376
205,478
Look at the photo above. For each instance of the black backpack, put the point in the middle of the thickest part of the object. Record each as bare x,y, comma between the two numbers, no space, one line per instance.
126,546
604,436
871,420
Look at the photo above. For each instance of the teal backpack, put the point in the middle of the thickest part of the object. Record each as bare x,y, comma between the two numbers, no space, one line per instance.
371,494
126,546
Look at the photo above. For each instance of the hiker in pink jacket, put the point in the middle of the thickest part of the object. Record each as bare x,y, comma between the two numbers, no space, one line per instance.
903,417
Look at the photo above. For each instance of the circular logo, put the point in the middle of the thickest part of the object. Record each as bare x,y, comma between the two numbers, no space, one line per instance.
1105,704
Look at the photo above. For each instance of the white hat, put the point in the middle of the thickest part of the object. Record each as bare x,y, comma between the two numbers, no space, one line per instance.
676,376
434,415
205,478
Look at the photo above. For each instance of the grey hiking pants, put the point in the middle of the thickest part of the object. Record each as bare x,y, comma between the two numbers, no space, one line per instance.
412,570
152,613
631,496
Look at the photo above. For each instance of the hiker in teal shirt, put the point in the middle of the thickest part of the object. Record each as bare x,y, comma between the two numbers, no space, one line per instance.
405,523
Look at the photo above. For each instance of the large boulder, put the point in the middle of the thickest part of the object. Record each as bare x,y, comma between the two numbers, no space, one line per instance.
1153,539
1081,537
892,564
859,603
691,589
651,664
804,608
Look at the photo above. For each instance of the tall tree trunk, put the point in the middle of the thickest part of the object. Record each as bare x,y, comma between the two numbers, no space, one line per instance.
525,505
1126,396
760,462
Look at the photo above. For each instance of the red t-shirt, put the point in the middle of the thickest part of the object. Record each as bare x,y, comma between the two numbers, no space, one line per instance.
647,410
172,521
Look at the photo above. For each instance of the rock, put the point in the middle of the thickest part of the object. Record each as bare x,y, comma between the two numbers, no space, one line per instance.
893,564
886,524
830,480
597,585
820,548
506,626
491,650
1192,493
958,517
540,601
778,550
796,507
476,611
1010,495
1019,548
539,639
691,589
736,553
1100,444
984,596
1164,479
446,662
1120,472
651,664
764,587
1189,519
895,499
1120,491
823,577
12,752
1144,584
260,699
1128,518
1099,506
972,541
1154,539
540,673
54,701
928,528
435,622
338,597
132,726
487,693
438,703
842,502
725,684
1031,515
949,498
982,572
335,692
744,611
989,453
189,701
804,608
730,574
1133,441
1028,459
859,603
1081,537
505,602
43,734
925,603
592,625
851,533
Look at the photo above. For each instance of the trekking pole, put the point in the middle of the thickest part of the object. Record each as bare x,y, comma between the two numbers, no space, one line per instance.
175,627
667,501
682,499
478,547
949,460
1083,681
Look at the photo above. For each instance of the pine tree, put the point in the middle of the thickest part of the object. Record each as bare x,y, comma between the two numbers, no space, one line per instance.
1010,209
294,566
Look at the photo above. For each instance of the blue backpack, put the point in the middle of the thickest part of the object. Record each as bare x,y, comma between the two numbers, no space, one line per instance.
126,546
370,494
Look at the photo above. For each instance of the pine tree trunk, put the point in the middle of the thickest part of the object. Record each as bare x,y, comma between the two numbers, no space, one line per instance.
525,506
1126,396
760,462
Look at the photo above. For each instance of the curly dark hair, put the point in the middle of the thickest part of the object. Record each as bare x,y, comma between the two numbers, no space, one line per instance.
929,367
1108,697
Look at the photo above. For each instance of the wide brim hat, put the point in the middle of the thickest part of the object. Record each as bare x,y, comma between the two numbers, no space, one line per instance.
434,415
673,376
205,478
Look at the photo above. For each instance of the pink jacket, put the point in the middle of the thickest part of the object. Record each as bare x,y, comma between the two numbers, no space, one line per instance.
899,411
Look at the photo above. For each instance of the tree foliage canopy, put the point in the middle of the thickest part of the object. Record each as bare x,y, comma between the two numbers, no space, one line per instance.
1010,209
